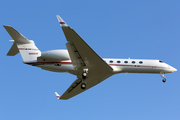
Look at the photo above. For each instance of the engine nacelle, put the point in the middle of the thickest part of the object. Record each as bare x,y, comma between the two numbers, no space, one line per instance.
55,55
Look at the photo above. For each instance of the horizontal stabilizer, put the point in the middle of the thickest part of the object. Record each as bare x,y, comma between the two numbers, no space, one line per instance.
57,95
13,51
16,36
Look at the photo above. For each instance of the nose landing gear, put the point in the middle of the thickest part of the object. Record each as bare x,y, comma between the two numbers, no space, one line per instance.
164,79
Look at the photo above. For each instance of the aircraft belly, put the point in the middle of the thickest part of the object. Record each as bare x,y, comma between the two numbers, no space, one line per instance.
141,70
54,68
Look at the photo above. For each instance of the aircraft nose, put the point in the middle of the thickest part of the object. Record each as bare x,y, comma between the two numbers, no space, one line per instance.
173,69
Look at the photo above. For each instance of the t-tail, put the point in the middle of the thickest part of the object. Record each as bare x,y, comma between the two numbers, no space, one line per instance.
27,48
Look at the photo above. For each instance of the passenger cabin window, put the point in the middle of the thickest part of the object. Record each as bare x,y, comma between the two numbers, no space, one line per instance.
111,61
126,62
133,62
118,61
140,62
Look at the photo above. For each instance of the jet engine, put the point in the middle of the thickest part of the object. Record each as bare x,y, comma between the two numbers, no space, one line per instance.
55,55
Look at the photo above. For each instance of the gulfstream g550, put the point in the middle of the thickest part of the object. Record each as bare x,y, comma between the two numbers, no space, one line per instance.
81,60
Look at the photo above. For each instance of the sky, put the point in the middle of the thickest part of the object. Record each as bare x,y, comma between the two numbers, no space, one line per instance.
136,29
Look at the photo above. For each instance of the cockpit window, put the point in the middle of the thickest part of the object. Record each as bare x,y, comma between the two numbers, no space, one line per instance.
161,61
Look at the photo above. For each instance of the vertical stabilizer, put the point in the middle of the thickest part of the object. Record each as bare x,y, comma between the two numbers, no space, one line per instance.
27,48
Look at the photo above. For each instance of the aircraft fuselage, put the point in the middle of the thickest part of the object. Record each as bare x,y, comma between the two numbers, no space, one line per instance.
118,65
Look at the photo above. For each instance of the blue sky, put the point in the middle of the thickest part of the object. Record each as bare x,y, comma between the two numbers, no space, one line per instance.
114,29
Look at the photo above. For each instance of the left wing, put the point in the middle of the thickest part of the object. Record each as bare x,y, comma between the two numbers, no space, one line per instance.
91,81
83,57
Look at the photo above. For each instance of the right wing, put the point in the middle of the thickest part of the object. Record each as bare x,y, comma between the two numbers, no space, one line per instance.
83,57
80,52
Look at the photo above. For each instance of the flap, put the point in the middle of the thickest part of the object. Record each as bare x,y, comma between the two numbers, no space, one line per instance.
75,57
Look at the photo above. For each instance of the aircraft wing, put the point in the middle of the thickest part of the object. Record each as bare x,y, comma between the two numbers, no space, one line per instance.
83,57
91,81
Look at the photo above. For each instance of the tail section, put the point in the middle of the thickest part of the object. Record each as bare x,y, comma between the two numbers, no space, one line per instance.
27,48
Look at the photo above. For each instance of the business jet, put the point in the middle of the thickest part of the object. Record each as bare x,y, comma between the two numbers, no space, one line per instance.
81,60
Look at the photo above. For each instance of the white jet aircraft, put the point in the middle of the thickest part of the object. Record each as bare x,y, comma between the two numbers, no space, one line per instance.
81,60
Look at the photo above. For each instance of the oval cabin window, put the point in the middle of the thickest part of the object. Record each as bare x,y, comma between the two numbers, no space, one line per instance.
140,62
126,62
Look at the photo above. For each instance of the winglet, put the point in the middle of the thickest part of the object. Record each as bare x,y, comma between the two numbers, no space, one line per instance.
61,21
57,95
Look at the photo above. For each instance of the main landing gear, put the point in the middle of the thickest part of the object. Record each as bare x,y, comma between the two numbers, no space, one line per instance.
164,79
84,76
83,86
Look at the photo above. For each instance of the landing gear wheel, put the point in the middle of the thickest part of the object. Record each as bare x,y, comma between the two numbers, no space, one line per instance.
83,86
84,75
164,80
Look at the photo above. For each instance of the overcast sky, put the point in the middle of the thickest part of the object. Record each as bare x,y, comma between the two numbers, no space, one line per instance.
136,29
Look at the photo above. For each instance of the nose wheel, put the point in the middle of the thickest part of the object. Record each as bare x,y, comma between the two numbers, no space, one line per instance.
164,79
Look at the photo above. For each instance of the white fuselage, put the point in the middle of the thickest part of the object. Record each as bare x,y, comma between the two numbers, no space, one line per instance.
118,65
139,66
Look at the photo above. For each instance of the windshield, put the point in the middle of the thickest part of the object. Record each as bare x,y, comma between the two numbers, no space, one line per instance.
161,61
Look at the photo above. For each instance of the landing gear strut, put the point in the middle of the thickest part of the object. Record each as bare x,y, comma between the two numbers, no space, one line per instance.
84,76
164,79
